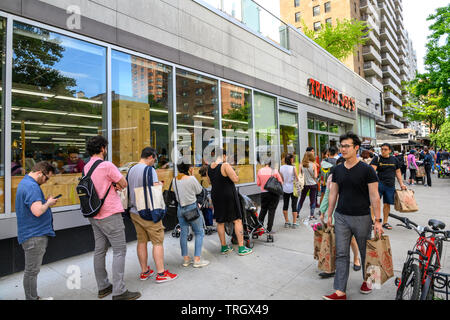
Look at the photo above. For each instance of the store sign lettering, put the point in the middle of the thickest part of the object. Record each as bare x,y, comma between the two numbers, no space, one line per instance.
323,92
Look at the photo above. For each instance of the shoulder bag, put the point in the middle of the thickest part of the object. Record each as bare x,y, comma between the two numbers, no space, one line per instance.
190,215
273,185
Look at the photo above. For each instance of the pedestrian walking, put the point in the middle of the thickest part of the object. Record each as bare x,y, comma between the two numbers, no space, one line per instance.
34,224
387,169
325,170
428,162
107,225
186,189
309,168
289,174
269,200
147,230
225,200
356,184
412,166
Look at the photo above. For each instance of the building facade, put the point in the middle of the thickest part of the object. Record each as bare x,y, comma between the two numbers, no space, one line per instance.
179,76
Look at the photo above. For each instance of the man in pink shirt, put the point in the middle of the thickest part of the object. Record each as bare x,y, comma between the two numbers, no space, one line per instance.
269,200
107,225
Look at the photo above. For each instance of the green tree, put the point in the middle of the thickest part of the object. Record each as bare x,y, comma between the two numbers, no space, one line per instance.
442,138
340,39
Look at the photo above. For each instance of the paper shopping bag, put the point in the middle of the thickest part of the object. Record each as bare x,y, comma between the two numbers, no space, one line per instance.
379,267
327,253
317,243
404,201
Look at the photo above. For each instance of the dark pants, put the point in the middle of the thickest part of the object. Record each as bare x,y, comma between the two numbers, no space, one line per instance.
312,198
403,169
269,203
412,174
428,172
286,197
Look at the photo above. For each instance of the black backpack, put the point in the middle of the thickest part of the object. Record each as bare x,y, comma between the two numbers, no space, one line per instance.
90,203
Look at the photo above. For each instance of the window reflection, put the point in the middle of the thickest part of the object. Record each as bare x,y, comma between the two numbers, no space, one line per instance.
141,109
289,134
58,102
236,129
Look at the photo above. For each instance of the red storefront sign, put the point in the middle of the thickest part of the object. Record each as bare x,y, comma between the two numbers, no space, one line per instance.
323,92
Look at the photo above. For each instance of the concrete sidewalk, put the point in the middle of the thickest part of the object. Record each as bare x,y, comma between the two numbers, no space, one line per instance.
284,269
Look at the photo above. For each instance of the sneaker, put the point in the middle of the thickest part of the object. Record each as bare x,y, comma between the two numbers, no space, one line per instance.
325,275
365,288
46,298
287,224
226,249
127,295
244,251
334,296
148,274
295,225
166,277
201,263
186,263
103,293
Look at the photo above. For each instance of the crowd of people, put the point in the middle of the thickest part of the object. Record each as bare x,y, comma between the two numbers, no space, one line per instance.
346,187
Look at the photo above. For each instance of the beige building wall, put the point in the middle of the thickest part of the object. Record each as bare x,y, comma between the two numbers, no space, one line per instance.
339,9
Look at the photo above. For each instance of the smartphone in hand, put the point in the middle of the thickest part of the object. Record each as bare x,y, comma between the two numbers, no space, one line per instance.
58,196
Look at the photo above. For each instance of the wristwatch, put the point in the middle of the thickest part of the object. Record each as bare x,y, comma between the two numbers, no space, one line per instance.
379,220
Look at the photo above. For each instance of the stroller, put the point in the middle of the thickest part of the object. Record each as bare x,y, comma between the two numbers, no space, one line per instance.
443,169
253,228
420,175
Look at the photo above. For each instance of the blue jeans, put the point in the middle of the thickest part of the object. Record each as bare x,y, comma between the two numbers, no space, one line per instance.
197,226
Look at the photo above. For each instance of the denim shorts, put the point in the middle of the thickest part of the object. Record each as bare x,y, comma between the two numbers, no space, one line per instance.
386,192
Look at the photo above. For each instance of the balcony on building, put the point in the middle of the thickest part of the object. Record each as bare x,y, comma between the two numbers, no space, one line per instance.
392,123
394,102
389,84
368,7
371,68
372,39
386,59
375,82
385,34
370,53
388,72
385,9
371,23
390,25
404,69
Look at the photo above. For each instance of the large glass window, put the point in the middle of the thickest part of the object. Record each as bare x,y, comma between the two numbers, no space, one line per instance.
2,118
236,129
289,135
197,118
58,102
266,130
141,112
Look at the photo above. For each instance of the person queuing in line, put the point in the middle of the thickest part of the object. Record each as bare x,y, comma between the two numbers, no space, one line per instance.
34,224
309,168
147,230
107,225
356,185
387,168
324,217
269,200
412,166
325,168
225,201
317,160
186,189
428,162
288,173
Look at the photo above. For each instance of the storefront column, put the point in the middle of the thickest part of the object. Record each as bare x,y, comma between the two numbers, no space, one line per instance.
302,130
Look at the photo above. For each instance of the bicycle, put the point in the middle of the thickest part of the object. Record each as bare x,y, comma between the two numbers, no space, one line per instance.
421,269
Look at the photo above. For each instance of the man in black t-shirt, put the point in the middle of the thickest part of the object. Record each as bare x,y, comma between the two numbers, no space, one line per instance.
356,184
387,168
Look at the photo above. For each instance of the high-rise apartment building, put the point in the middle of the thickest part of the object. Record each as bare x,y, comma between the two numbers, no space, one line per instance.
386,59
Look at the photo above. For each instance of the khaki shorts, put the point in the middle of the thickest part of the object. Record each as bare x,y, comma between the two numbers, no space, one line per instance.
148,230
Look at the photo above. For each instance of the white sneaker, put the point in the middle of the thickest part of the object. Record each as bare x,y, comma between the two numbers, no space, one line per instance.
46,298
201,263
187,263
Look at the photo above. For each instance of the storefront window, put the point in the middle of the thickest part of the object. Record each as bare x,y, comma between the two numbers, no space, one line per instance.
266,130
289,135
197,118
322,126
2,121
311,141
58,102
236,129
141,112
333,128
311,124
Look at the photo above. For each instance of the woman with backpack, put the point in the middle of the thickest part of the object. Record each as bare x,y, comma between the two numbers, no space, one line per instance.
289,174
186,189
309,169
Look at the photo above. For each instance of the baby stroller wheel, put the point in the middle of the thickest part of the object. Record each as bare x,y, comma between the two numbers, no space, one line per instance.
255,236
249,244
269,238
190,236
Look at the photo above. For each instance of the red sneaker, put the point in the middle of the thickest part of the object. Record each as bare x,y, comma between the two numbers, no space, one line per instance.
148,274
166,277
365,288
334,296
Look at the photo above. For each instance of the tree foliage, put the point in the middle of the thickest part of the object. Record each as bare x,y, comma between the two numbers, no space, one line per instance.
442,138
340,39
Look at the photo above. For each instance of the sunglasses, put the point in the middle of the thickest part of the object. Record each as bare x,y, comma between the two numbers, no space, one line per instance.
46,177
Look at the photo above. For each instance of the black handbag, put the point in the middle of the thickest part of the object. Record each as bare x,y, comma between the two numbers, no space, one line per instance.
171,201
274,186
190,215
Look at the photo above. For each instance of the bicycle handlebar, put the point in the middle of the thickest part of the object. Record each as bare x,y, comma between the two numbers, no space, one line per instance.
418,228
404,220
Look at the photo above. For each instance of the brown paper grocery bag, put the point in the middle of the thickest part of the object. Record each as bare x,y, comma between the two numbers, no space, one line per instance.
327,253
317,243
379,267
404,201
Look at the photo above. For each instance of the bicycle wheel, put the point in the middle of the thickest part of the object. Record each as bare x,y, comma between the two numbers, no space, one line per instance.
409,288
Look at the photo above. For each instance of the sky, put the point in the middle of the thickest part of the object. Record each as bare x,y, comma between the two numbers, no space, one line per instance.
415,13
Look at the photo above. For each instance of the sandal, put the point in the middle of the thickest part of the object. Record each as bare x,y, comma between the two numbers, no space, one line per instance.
387,226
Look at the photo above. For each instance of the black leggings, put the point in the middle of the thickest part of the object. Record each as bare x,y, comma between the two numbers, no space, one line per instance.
412,174
269,203
286,197
428,172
